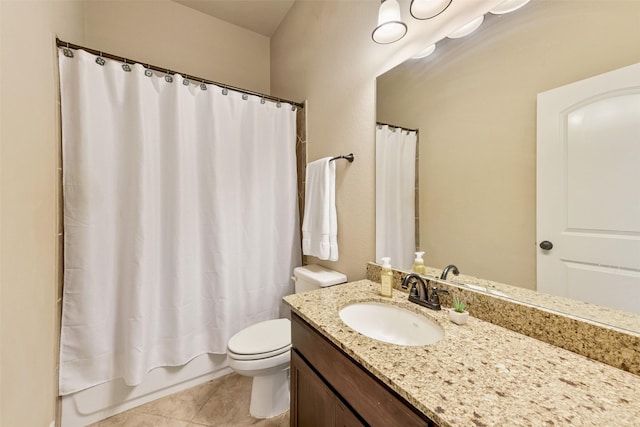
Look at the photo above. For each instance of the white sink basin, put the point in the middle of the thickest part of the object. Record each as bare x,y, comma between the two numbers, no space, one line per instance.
391,324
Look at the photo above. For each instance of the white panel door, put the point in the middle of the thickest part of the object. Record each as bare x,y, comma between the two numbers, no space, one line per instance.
588,190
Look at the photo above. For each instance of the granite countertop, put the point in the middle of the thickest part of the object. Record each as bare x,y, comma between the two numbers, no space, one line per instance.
479,374
605,315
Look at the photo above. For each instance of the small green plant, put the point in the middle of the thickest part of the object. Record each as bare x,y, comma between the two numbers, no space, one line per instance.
459,305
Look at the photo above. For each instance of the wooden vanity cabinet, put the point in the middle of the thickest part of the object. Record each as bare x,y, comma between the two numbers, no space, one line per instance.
314,404
328,388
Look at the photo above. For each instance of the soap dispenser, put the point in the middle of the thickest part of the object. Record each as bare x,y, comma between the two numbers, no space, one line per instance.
386,278
418,264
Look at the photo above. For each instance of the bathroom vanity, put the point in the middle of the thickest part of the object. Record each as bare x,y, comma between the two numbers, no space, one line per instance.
479,374
328,388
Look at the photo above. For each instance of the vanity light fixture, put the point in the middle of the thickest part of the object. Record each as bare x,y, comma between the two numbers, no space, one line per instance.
427,9
425,52
390,26
508,6
467,29
424,8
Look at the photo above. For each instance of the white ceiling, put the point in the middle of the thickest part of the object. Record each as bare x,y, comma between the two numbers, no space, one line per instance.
260,16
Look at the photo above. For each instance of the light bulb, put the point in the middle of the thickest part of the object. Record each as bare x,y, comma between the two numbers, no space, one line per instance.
425,52
427,9
467,29
508,6
390,27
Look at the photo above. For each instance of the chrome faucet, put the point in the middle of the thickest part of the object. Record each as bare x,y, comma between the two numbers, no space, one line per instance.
419,292
449,268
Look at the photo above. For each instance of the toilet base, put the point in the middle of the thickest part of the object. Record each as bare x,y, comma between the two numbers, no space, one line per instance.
270,394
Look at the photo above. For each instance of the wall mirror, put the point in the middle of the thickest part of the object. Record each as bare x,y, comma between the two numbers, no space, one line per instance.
474,103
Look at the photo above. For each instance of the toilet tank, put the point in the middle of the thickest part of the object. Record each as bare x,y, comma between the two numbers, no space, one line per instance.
310,277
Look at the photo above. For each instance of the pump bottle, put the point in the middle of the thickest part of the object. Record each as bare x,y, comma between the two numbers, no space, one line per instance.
418,264
386,278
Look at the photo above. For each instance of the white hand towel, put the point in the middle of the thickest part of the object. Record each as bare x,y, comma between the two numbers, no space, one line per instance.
320,224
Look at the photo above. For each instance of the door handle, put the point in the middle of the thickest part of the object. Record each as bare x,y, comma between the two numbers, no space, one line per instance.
546,245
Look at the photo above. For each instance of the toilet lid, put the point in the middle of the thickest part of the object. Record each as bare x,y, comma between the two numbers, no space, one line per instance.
262,337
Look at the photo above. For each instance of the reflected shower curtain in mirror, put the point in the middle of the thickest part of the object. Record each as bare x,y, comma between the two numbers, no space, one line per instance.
180,218
395,195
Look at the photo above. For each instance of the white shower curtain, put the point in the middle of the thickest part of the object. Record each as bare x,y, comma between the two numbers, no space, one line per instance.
395,195
180,218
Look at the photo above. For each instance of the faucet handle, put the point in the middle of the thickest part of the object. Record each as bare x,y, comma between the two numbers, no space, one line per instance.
434,294
414,291
415,281
410,278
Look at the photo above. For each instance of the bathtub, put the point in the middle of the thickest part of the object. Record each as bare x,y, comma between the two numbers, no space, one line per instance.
102,401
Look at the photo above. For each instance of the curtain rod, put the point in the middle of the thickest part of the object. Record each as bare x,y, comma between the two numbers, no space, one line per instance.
68,45
397,127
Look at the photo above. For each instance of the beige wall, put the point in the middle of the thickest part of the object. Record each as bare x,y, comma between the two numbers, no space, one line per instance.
475,106
323,52
161,32
29,197
168,34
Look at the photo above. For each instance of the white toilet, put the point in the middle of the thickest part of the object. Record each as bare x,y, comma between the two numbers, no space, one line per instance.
262,351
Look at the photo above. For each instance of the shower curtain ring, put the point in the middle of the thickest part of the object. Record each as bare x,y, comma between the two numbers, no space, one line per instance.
126,66
147,71
100,60
203,86
67,52
168,78
262,100
225,91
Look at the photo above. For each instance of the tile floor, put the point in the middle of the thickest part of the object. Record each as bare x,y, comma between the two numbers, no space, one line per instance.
223,402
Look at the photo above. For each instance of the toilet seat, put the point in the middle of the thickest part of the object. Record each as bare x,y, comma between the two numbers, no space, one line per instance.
258,356
259,367
260,341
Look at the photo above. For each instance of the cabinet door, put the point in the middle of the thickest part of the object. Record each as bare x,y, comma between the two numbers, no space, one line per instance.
345,417
313,404
369,398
